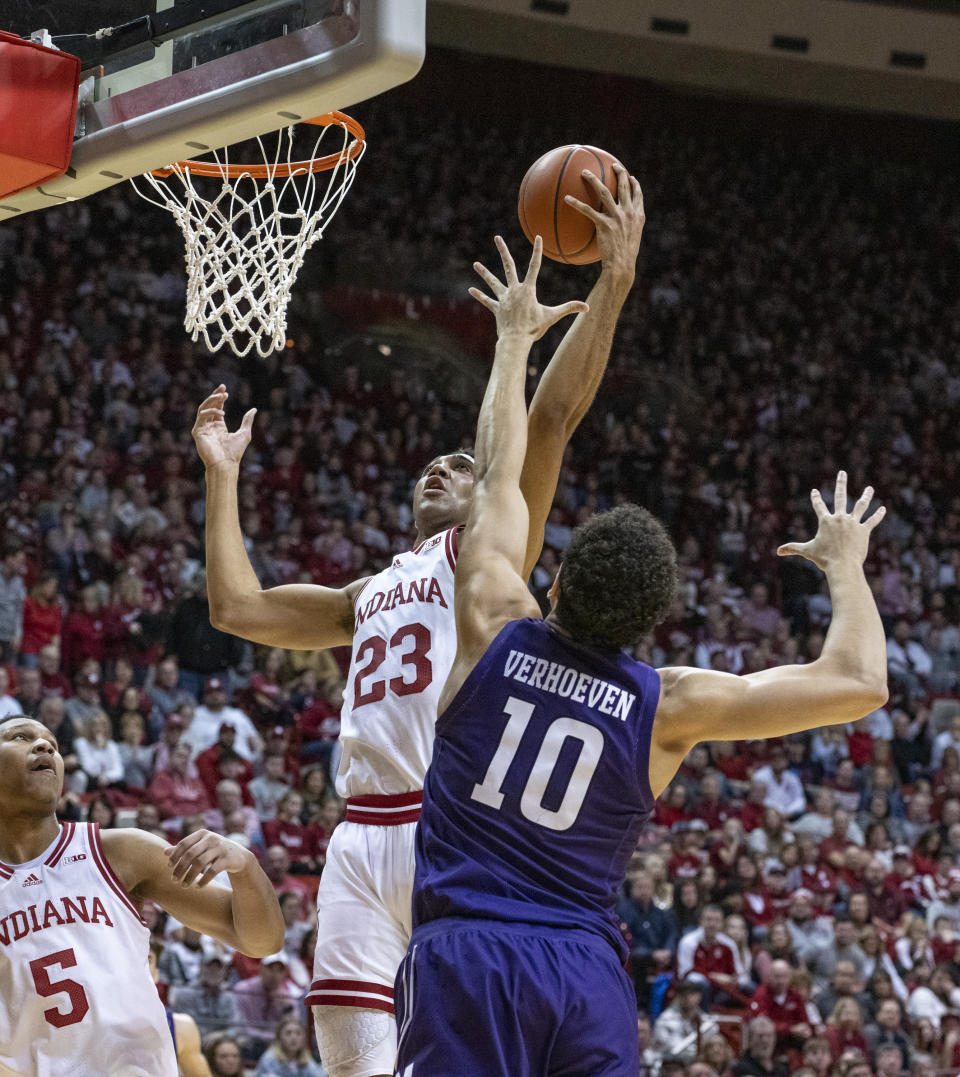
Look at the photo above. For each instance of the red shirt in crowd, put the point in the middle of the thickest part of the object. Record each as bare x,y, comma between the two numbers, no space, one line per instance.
715,815
786,1011
757,908
841,1041
301,841
716,958
41,624
888,906
55,684
666,816
82,639
751,815
177,795
860,747
684,865
208,769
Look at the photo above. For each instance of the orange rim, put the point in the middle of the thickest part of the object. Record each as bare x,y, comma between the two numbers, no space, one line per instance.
265,171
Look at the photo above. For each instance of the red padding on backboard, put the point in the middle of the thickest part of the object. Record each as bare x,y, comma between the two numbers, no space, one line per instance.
38,110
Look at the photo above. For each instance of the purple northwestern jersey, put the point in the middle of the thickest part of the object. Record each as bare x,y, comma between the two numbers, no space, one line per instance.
538,788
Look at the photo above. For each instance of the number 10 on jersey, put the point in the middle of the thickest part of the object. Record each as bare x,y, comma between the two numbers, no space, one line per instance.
531,802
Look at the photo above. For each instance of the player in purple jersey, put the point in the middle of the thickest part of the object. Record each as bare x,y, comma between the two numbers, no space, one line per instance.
552,745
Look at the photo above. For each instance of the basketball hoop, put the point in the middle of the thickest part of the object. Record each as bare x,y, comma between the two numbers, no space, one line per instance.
246,241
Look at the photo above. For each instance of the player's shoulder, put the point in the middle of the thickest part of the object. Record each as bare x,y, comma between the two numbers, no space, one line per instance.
132,853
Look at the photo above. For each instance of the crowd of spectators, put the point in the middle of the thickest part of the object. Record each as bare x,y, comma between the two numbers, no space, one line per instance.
795,906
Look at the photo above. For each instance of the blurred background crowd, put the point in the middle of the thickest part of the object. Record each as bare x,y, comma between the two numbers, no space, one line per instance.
795,906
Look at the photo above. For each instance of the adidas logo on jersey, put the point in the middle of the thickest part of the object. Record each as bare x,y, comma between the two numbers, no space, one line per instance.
32,880
73,859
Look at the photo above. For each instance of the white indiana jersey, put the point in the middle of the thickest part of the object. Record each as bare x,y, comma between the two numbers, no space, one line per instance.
404,643
76,995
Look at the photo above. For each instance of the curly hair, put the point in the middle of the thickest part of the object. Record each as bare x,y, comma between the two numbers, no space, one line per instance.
618,578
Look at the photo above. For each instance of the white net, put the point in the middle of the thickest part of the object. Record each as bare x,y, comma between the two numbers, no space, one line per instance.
247,238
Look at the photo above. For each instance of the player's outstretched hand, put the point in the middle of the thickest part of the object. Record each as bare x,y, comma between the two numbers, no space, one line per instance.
841,535
215,443
619,221
202,855
514,303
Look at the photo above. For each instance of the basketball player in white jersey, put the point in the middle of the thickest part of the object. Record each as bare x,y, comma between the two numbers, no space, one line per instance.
401,627
76,995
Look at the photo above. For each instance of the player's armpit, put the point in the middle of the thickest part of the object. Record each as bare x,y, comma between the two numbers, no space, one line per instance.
699,705
296,616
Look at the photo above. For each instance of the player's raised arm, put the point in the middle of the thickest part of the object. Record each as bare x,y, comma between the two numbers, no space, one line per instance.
847,681
490,587
295,616
573,375
246,917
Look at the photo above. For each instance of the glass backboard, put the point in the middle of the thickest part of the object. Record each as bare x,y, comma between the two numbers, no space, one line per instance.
173,79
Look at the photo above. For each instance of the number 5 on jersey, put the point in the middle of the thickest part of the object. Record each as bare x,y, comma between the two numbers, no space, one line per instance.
531,802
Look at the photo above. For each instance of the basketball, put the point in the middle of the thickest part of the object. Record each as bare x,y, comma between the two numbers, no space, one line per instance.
568,236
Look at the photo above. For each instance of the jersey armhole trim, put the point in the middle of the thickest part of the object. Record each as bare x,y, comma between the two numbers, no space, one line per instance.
66,833
645,741
450,547
103,864
358,594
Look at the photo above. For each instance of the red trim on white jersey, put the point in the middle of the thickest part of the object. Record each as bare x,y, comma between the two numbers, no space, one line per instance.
390,810
359,993
448,547
66,833
103,865
366,584
6,872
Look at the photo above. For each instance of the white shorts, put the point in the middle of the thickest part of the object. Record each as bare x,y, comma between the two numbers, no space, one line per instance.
363,915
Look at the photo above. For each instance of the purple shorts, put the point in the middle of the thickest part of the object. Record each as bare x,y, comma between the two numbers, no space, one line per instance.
496,999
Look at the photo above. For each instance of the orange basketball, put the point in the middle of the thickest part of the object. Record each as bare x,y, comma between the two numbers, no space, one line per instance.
568,236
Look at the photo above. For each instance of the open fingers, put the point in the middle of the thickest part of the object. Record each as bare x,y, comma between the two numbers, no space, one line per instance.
493,283
875,518
509,268
482,297
575,306
535,258
794,549
863,503
840,493
816,499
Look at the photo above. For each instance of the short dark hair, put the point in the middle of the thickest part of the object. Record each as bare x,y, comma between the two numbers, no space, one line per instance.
618,578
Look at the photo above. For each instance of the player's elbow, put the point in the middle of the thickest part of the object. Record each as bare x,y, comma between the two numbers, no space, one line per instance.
877,693
864,695
227,616
269,940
